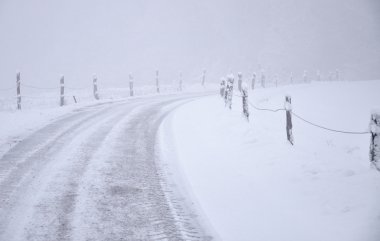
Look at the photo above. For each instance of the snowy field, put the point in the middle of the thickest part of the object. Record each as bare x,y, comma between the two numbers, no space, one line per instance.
249,183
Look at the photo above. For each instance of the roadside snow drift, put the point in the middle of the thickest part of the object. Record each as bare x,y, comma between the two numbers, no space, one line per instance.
251,184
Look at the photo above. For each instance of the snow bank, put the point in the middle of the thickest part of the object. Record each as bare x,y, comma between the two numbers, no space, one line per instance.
251,184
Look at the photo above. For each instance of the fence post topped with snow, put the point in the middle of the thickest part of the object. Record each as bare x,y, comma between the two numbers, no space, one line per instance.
244,95
157,83
253,81
230,89
203,77
131,85
305,76
374,152
318,75
276,80
180,82
240,81
62,91
262,79
291,77
222,87
289,124
95,83
18,89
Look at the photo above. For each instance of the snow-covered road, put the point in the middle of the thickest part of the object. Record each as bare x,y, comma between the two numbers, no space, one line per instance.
93,175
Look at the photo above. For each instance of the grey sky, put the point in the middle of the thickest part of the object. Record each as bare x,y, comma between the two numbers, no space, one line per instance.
45,38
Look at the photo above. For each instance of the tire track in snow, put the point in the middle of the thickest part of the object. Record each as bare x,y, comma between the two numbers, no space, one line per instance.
30,170
129,181
64,189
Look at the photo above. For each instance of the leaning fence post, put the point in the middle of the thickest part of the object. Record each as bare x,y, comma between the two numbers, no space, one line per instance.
95,83
62,96
289,125
18,83
374,151
157,83
130,85
245,101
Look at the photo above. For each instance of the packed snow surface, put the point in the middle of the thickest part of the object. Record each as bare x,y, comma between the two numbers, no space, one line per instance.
251,184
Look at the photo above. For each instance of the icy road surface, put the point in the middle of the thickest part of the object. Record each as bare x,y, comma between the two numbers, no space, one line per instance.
94,175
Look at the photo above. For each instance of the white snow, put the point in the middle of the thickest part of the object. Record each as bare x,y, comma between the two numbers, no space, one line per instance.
251,184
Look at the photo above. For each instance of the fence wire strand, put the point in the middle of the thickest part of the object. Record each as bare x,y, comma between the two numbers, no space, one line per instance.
330,129
8,89
307,121
40,88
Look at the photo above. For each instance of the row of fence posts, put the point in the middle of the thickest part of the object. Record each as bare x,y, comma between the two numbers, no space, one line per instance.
226,92
95,87
276,78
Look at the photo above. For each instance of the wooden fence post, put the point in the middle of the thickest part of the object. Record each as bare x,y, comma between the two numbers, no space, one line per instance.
131,85
305,76
276,80
157,82
253,81
204,77
18,87
222,87
337,74
262,79
289,125
180,82
230,90
291,77
95,84
244,95
318,75
374,151
62,96
240,81
226,90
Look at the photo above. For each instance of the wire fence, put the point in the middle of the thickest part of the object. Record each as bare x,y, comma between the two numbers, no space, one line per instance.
305,120
374,130
30,96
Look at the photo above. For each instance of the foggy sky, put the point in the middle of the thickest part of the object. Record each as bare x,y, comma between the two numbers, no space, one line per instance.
45,38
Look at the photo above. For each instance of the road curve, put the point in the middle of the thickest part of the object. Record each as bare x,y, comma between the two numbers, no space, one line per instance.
94,175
